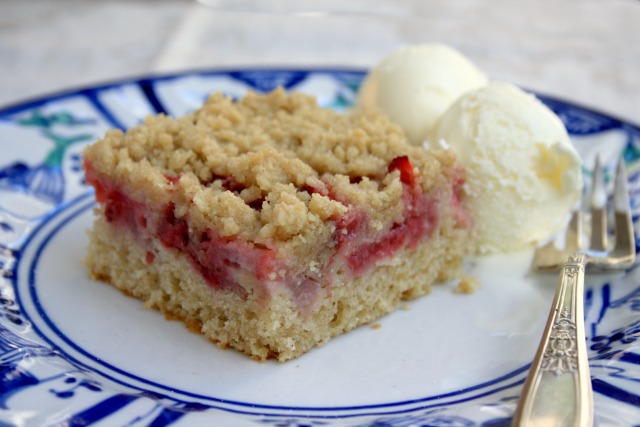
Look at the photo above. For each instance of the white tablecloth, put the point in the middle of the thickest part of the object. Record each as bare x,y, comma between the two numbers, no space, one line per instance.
585,51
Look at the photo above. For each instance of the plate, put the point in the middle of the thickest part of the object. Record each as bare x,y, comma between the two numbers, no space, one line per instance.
77,352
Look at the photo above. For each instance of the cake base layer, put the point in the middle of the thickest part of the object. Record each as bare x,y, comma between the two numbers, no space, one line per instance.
276,328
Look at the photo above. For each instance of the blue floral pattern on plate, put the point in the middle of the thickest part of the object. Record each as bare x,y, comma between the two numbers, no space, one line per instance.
54,374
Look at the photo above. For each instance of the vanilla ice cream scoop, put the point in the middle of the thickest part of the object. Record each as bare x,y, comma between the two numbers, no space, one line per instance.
416,84
523,174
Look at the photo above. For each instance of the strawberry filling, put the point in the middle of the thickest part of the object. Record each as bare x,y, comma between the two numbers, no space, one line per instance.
228,263
420,220
220,261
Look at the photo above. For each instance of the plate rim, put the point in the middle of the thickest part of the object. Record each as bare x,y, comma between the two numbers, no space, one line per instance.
140,78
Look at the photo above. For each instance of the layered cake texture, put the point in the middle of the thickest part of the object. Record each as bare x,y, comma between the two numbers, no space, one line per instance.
271,225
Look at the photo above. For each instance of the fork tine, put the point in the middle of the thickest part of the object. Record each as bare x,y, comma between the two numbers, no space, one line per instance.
621,193
549,257
625,238
573,241
598,210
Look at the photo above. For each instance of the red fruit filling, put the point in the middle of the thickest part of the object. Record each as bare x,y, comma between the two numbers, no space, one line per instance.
219,260
419,220
407,173
462,216
224,262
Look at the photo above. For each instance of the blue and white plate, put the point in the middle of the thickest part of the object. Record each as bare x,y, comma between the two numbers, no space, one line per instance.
77,352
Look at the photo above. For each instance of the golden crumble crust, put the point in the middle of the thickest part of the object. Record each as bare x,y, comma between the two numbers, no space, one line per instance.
261,168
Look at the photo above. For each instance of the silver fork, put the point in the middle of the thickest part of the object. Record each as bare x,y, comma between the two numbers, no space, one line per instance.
558,390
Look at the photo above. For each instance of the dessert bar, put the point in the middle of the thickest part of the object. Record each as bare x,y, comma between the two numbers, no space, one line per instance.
269,224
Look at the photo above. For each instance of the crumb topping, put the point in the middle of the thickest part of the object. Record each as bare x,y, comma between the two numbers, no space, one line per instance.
268,168
467,285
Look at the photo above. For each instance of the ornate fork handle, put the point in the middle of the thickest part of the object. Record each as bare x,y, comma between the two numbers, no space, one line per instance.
557,391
